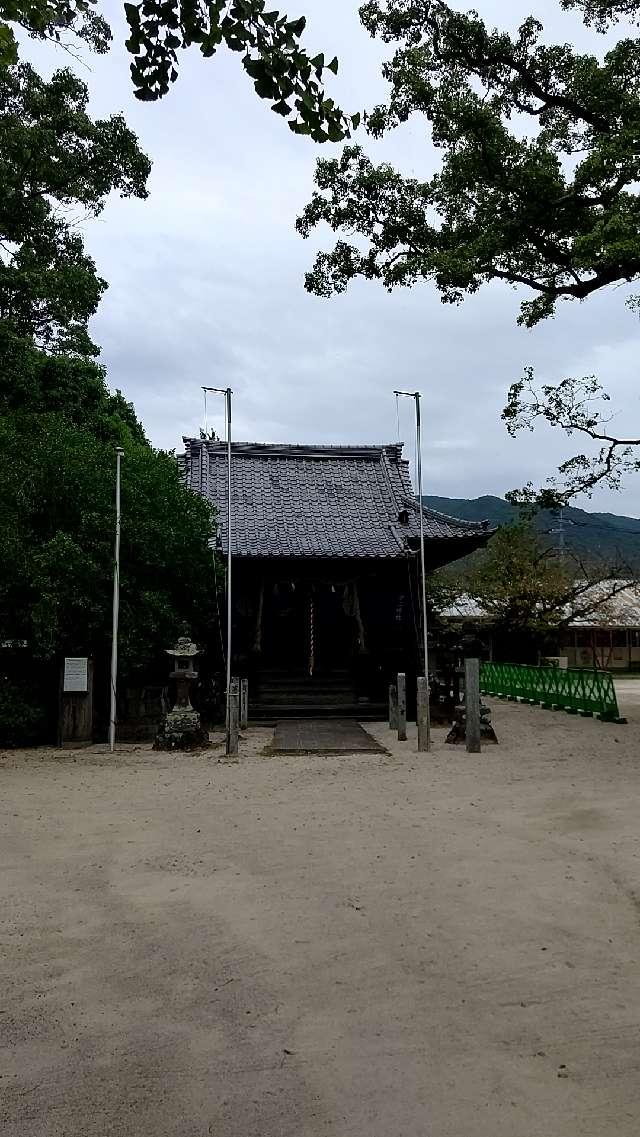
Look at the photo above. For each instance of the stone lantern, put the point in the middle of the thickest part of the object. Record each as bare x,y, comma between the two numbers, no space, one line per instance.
181,728
470,647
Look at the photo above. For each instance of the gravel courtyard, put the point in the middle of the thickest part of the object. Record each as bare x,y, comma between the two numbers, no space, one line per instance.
379,945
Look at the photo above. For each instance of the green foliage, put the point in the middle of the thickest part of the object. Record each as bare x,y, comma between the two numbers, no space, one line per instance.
54,158
59,424
519,580
602,13
58,431
268,42
22,717
555,209
527,590
54,20
575,406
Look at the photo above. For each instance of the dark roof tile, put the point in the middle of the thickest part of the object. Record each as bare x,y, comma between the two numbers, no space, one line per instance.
316,501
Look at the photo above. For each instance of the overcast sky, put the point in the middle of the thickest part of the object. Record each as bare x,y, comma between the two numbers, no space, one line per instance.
206,282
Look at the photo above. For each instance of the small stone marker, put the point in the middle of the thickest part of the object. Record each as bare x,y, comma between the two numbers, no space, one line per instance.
402,707
393,707
472,704
422,714
234,718
244,704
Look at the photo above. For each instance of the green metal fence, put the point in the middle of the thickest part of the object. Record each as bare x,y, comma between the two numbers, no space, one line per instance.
571,689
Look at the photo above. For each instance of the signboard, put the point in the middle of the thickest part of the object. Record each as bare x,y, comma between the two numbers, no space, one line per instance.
75,673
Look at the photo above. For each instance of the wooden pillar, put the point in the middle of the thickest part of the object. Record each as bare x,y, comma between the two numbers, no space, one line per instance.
244,704
402,707
234,716
393,707
472,704
422,714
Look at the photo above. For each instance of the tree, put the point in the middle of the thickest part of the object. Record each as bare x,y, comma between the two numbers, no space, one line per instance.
59,426
51,20
56,163
554,209
575,406
267,41
57,511
528,592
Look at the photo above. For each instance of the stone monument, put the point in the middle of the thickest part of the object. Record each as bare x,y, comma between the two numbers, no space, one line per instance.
181,728
470,647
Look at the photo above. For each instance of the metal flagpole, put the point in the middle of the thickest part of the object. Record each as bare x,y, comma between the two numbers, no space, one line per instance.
227,392
116,609
415,395
227,396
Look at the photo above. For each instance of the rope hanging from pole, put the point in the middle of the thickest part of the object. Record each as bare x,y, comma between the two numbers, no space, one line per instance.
312,646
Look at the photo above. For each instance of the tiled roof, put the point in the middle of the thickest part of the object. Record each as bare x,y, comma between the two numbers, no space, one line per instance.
614,604
317,501
608,603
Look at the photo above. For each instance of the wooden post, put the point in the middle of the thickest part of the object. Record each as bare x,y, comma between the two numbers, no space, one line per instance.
472,704
393,707
234,716
422,714
402,707
244,704
75,712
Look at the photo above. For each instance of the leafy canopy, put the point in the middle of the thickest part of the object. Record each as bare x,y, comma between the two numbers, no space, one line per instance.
53,20
59,426
528,591
540,162
519,580
56,165
268,42
578,406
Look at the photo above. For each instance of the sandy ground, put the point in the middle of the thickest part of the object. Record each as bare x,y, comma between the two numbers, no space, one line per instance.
372,946
628,692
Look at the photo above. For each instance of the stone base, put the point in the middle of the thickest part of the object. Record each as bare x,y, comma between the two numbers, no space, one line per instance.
457,734
181,729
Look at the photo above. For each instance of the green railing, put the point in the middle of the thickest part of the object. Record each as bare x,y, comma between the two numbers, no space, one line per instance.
570,689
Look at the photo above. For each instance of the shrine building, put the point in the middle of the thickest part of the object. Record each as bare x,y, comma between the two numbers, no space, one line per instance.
325,548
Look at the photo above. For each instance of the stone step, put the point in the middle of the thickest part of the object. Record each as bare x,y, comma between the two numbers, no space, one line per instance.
270,712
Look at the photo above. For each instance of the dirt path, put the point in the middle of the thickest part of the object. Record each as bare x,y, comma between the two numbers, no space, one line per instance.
367,946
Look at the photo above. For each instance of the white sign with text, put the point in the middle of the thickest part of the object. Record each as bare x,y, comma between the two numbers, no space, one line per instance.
76,673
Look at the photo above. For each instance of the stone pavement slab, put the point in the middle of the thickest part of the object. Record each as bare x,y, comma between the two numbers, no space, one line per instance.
323,736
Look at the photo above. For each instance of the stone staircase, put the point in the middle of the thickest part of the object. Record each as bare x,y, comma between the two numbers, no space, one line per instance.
291,694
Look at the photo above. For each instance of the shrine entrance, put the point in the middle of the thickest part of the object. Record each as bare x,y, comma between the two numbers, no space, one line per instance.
320,639
309,641
308,627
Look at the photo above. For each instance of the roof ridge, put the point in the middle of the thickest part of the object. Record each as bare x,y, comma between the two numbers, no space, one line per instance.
346,449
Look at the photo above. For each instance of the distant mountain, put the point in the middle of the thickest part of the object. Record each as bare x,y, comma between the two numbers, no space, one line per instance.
608,536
